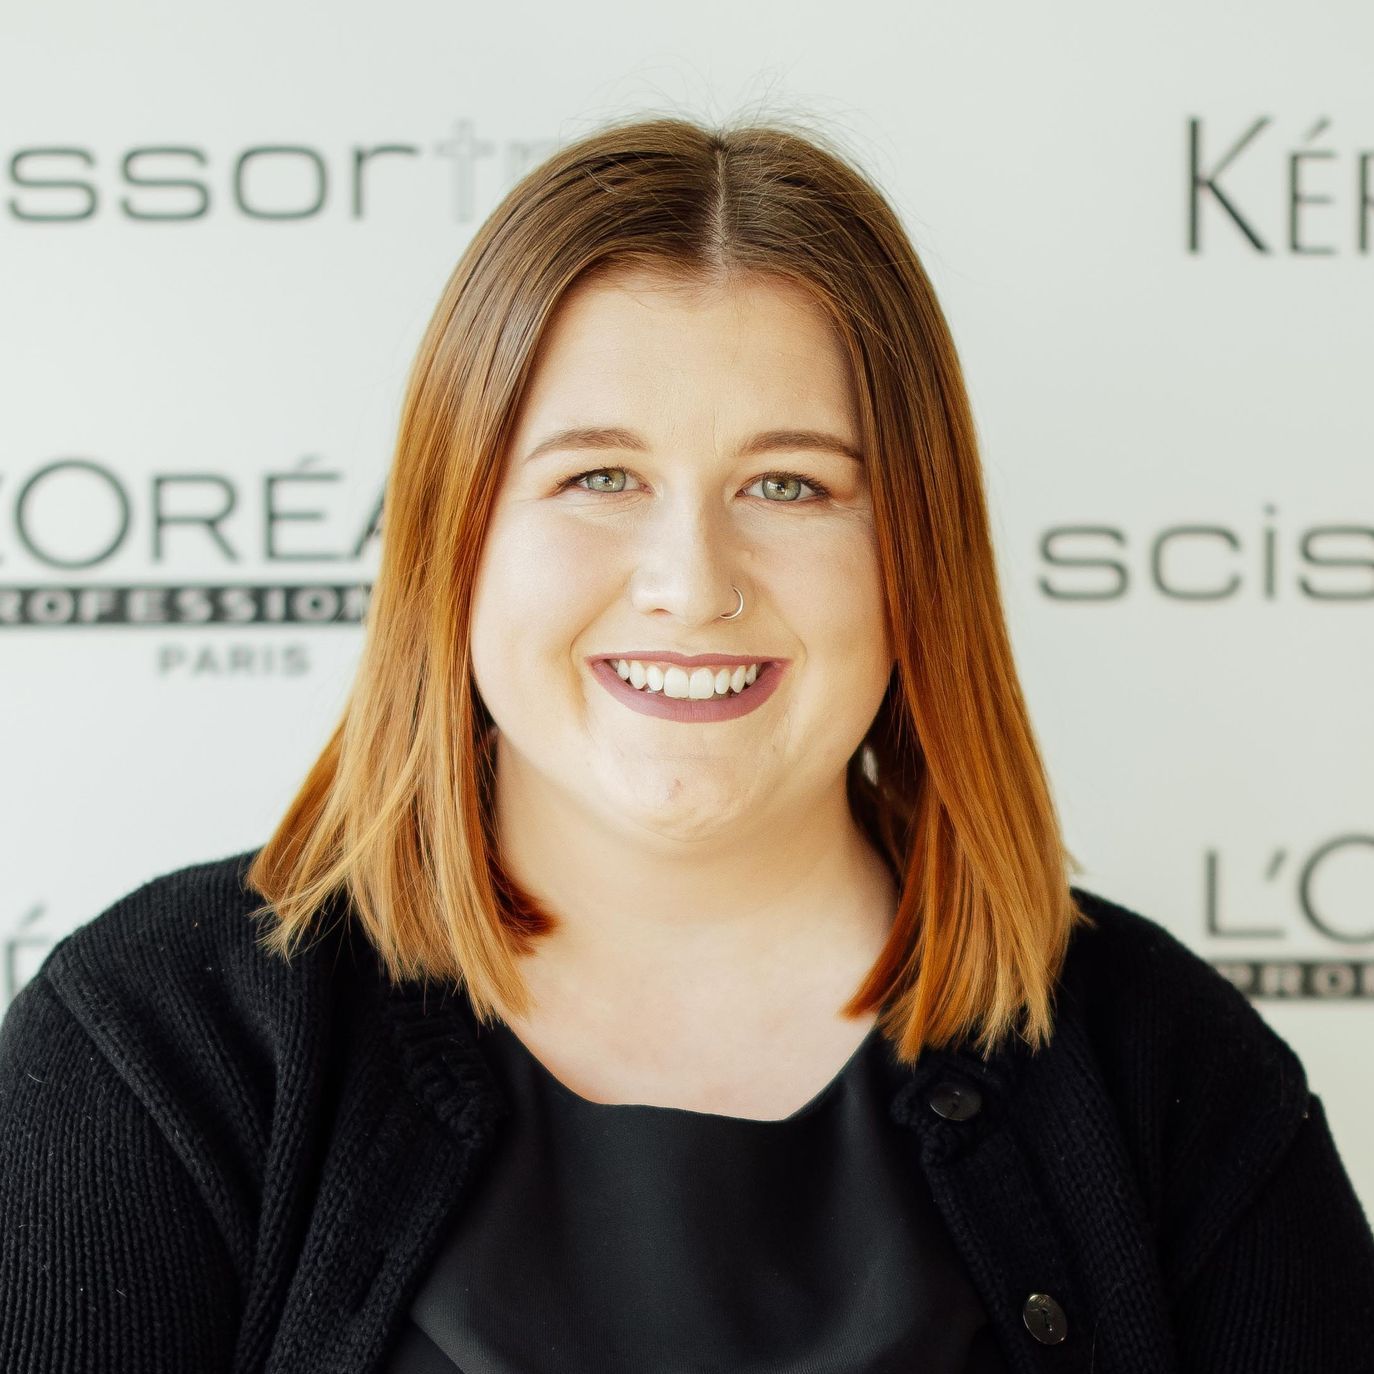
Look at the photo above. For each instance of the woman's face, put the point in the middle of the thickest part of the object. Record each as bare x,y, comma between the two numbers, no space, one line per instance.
640,557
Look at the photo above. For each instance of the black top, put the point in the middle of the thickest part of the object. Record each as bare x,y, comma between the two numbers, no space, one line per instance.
622,1237
213,1159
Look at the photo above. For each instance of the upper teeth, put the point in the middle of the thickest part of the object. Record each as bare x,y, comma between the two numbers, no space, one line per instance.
674,681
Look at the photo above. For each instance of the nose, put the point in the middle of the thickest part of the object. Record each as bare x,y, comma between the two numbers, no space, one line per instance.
687,562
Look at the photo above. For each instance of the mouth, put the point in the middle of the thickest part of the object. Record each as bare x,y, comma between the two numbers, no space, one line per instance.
729,705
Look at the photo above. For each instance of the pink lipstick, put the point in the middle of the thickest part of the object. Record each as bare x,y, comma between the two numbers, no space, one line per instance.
673,708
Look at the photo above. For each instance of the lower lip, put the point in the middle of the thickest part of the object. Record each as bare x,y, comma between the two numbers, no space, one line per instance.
672,708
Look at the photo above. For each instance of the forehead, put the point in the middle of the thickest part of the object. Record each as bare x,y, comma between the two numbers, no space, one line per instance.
630,334
640,301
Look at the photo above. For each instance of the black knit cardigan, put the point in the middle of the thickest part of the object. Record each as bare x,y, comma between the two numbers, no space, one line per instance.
212,1160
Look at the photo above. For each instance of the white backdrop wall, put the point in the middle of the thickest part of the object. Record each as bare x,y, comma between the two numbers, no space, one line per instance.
222,229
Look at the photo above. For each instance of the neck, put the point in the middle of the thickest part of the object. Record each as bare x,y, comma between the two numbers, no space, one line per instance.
739,928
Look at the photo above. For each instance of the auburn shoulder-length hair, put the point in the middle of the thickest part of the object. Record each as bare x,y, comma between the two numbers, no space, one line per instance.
395,815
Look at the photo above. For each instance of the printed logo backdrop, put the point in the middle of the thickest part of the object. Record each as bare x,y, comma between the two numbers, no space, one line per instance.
222,232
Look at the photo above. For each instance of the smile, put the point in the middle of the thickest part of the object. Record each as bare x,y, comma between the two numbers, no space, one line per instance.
650,702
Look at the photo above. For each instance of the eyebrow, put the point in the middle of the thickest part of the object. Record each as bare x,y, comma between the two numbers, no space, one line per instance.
769,441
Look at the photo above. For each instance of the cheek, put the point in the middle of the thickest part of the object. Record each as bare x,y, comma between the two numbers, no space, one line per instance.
838,586
537,586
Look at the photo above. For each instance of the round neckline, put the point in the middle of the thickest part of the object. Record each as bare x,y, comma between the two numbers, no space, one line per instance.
807,1109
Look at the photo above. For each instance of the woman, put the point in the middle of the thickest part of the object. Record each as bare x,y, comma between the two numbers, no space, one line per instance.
670,962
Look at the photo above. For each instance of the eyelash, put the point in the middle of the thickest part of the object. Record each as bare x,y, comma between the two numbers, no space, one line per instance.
821,490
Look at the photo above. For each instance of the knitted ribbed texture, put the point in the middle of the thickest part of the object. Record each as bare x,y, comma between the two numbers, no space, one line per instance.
109,1259
212,1162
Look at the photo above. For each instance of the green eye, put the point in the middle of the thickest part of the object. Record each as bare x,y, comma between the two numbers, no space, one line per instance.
787,481
596,472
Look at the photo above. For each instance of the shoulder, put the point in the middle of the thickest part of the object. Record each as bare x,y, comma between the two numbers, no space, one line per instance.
178,914
179,962
1148,996
1209,1097
209,1029
169,1025
192,933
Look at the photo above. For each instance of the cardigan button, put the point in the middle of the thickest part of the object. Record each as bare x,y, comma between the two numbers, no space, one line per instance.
955,1101
1045,1319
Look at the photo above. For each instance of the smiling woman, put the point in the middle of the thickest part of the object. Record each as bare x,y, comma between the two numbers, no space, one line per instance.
670,962
716,381
739,331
